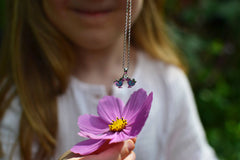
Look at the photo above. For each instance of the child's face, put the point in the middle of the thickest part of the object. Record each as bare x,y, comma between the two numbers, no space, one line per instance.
90,24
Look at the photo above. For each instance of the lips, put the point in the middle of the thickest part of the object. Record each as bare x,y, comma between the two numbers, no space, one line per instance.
92,12
93,18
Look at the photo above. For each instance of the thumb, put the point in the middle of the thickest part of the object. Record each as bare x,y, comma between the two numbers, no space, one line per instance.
119,151
116,151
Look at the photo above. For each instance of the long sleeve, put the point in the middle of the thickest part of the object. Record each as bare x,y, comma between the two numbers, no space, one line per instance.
186,138
9,131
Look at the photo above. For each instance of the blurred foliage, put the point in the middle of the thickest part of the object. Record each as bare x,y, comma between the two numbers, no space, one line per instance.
208,34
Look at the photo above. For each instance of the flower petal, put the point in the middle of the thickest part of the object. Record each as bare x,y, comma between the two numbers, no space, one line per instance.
134,103
137,122
92,124
109,108
88,146
119,137
107,135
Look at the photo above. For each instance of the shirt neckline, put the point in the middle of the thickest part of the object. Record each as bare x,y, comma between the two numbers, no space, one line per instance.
96,88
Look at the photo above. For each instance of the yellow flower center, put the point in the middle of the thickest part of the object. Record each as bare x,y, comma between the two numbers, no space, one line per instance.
118,125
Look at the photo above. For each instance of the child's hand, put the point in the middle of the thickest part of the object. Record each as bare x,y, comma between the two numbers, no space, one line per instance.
117,151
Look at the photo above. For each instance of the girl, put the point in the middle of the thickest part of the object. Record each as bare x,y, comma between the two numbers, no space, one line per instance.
59,57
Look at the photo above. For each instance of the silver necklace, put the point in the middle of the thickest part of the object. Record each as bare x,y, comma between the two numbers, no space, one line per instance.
126,49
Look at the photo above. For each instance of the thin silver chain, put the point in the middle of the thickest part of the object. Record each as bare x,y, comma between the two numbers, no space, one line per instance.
127,35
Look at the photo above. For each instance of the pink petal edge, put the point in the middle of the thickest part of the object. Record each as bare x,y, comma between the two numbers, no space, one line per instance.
87,147
109,108
92,124
139,120
107,135
120,137
134,104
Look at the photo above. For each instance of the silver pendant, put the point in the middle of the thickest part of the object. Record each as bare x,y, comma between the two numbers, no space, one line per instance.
130,82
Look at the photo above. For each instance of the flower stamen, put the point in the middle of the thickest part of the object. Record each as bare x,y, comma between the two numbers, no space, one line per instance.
118,125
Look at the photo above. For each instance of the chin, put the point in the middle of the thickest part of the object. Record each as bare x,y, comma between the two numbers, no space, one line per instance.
96,42
92,45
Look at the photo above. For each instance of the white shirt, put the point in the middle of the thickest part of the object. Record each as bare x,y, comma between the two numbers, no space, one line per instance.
172,131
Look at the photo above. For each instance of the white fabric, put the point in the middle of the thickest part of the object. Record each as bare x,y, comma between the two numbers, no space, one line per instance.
172,132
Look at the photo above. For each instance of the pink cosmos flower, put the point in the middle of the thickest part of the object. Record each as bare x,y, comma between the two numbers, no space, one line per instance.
115,122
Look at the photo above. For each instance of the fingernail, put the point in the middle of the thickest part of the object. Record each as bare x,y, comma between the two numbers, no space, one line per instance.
130,145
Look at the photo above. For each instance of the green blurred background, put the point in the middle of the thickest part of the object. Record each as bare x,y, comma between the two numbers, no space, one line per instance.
208,34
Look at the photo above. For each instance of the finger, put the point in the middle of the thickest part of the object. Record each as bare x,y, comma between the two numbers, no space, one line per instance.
114,151
131,156
134,139
106,146
127,148
118,151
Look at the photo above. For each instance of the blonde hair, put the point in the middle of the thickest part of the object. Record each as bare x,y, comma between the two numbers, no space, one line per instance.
37,60
150,34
